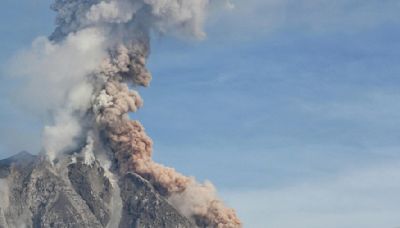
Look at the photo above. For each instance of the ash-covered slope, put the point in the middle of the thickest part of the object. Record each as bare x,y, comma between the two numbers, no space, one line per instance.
34,193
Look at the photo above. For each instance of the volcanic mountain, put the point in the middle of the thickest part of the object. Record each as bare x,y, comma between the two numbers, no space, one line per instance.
95,167
73,193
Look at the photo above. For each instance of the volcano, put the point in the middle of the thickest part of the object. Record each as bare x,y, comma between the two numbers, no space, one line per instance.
36,194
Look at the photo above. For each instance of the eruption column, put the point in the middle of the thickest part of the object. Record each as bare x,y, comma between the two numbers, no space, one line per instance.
126,26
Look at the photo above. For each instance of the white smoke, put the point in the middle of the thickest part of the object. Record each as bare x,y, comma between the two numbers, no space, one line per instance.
4,194
56,82
114,11
50,70
88,151
62,135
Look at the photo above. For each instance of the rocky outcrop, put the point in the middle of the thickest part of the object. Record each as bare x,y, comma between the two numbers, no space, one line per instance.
93,187
35,193
143,206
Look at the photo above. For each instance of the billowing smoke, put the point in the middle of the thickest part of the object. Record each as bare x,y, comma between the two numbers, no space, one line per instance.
85,72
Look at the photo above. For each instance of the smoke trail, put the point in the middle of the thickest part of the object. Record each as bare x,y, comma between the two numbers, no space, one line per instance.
4,194
93,100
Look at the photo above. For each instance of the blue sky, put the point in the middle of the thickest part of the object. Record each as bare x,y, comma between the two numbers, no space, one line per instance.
289,106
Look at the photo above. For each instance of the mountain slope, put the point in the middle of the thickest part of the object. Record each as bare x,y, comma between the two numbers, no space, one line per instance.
35,193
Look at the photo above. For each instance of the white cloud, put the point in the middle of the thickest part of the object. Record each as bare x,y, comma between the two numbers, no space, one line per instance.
378,108
253,19
364,198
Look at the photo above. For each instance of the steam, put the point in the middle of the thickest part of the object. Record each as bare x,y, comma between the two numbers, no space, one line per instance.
84,73
116,204
4,194
4,201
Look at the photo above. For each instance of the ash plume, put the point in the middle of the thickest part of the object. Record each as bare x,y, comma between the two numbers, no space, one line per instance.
96,54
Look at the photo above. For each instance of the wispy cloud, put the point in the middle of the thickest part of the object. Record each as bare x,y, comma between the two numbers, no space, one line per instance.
254,18
365,198
376,107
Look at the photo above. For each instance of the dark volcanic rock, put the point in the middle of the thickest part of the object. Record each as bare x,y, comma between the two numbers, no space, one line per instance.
45,199
94,188
143,206
36,194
